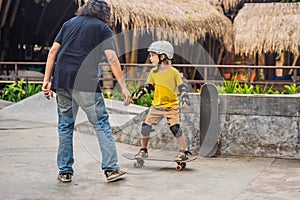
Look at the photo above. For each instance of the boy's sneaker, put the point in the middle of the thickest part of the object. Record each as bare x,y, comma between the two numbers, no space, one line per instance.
182,156
142,154
113,174
65,178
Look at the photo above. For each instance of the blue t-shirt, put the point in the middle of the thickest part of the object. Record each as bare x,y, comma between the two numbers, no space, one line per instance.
83,41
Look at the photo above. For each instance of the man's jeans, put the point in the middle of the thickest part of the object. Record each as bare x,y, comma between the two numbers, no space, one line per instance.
68,102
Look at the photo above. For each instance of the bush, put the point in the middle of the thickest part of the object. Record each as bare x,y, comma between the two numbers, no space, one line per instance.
234,87
116,94
18,91
292,89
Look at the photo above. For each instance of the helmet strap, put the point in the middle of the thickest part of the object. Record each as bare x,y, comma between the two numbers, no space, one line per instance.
160,60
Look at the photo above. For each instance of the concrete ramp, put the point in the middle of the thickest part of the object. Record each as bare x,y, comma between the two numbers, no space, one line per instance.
37,110
4,103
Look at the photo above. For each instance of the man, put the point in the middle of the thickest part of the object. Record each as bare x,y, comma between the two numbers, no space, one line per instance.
81,44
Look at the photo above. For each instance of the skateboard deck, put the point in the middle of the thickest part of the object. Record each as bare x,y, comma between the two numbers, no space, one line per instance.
209,130
140,162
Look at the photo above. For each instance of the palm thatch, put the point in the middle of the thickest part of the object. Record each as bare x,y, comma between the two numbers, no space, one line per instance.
226,4
183,19
268,27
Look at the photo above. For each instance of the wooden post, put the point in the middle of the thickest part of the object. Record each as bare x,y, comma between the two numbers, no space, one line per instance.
6,9
184,53
1,2
261,62
280,62
219,60
14,13
3,22
144,71
126,43
294,64
253,72
40,20
210,71
134,55
197,57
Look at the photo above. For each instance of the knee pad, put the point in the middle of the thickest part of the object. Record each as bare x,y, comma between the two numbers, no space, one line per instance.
146,129
176,130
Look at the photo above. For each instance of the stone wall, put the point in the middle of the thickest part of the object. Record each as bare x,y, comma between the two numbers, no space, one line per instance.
249,125
260,125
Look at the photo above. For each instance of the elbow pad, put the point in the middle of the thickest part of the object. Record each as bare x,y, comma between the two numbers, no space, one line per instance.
146,89
183,93
183,88
149,88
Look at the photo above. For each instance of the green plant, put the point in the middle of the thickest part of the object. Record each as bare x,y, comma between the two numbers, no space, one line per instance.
245,89
32,89
145,100
231,86
289,1
276,92
292,89
17,91
263,90
221,89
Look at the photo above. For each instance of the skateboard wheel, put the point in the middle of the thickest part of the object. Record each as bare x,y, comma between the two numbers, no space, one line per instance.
183,165
139,164
179,168
136,165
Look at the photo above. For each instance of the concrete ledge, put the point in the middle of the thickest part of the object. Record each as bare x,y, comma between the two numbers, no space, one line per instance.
249,125
260,125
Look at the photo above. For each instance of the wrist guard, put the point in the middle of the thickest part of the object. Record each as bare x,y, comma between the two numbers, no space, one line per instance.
185,99
183,93
182,89
148,88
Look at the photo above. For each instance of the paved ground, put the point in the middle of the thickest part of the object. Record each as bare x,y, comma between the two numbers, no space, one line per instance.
28,145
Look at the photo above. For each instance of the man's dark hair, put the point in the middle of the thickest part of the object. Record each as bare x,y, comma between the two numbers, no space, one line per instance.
95,8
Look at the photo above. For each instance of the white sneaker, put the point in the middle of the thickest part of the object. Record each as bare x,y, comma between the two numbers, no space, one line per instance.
67,177
113,174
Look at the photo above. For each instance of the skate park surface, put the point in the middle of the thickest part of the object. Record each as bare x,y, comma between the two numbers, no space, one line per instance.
28,147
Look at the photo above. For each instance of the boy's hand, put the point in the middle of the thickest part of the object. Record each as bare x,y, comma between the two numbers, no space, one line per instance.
185,101
185,105
137,95
146,89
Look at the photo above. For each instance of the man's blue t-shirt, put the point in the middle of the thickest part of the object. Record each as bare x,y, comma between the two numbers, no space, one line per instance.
83,41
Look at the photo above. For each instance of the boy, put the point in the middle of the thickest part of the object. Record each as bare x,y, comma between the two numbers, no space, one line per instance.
166,82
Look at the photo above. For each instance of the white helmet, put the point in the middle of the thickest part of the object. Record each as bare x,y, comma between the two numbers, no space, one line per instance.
162,47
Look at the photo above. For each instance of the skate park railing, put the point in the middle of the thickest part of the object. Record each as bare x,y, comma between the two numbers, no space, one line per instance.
213,73
196,73
10,71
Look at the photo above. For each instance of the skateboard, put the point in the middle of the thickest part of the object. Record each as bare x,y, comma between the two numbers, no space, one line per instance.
140,162
209,130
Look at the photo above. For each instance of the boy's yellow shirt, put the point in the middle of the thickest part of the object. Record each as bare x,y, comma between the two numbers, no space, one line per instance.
165,87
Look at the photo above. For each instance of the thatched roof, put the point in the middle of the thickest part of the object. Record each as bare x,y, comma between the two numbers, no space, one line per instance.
183,19
268,27
226,4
